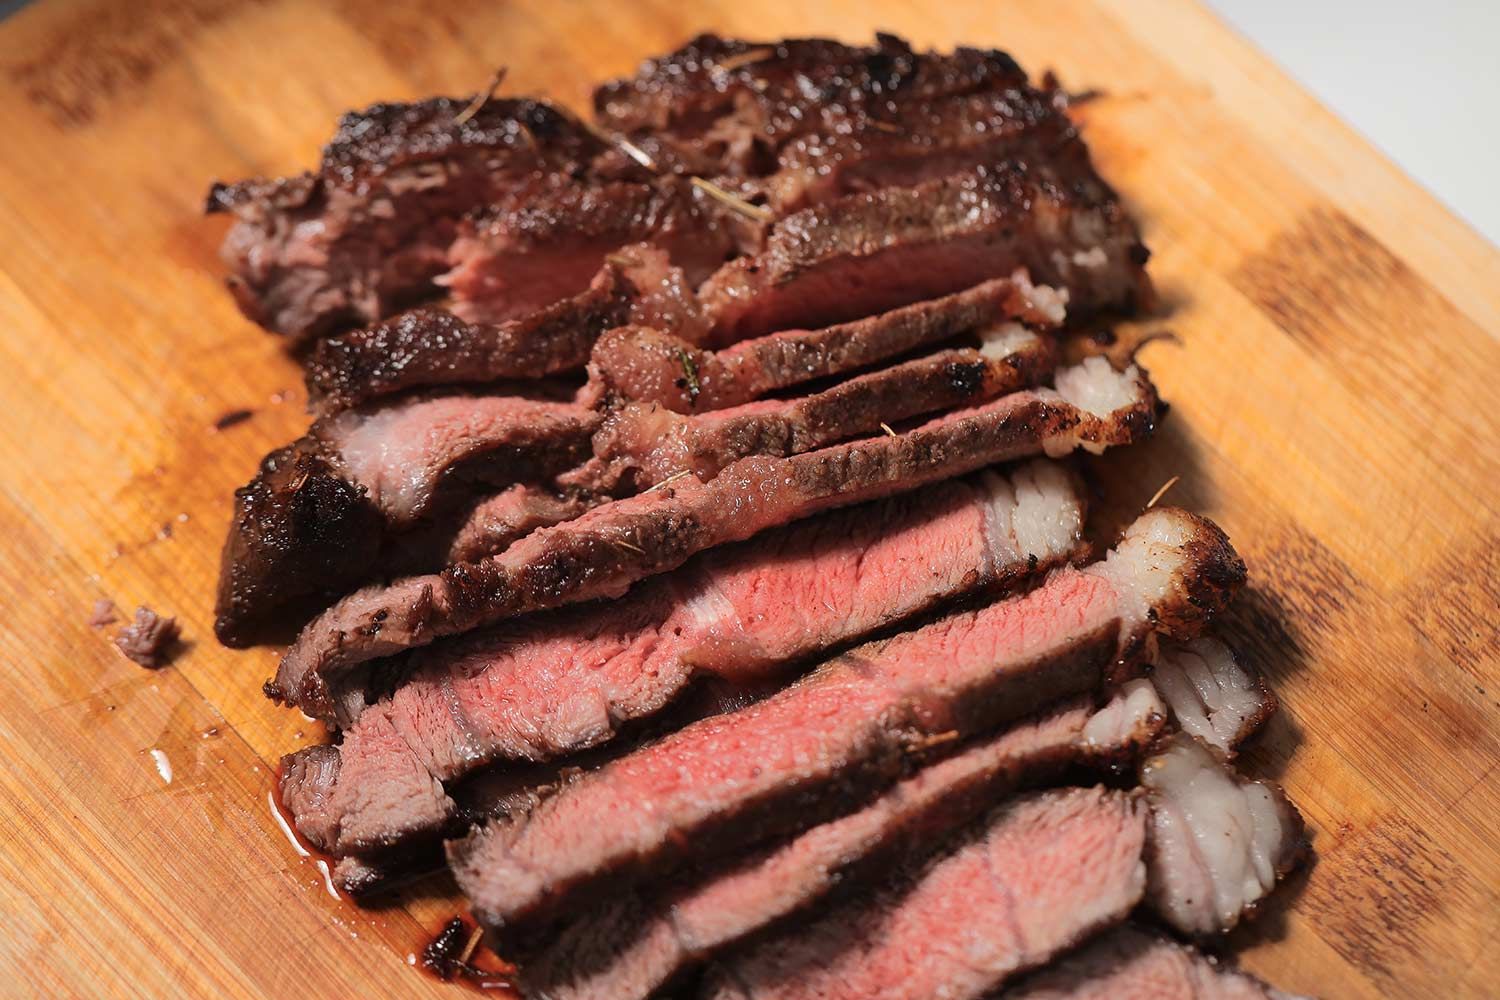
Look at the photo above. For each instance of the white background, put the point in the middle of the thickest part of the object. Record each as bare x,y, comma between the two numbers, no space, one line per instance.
1420,80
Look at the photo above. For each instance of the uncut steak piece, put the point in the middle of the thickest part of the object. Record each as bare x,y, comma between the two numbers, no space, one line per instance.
637,942
1220,842
526,254
1038,876
1210,694
1130,963
432,347
641,444
316,519
365,234
846,732
867,253
554,686
651,365
606,550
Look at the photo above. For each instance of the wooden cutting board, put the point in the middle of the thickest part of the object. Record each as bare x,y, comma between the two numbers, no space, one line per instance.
1334,406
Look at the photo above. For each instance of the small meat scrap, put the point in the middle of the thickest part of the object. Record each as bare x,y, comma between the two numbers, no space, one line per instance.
146,639
104,613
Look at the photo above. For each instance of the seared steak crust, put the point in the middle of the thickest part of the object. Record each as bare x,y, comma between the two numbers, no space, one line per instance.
603,552
301,534
640,445
365,234
867,253
649,365
325,512
726,106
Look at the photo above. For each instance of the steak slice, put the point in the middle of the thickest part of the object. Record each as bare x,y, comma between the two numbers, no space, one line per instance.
726,106
636,944
528,253
1129,963
845,732
365,235
555,686
640,444
867,253
430,347
1211,696
320,513
496,522
603,552
652,366
1041,874
1219,841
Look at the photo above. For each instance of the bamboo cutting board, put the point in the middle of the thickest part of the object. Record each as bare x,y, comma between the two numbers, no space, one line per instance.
1334,408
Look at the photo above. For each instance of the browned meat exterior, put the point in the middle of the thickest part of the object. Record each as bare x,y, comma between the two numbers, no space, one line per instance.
743,615
318,516
493,523
814,750
1040,875
649,365
431,347
365,235
634,944
1219,841
1129,963
740,109
641,444
529,253
603,552
867,253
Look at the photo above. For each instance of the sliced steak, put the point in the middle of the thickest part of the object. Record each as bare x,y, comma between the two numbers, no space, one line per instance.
652,366
642,444
603,552
365,235
1219,841
527,254
430,347
496,522
555,686
636,943
317,518
1211,696
1041,874
845,732
727,106
867,253
1129,963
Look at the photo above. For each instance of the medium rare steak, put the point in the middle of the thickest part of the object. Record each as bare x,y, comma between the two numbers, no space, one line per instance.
635,944
366,233
653,366
554,686
642,444
429,347
603,552
527,254
867,253
321,513
845,732
1219,841
1040,875
1211,696
495,522
1129,963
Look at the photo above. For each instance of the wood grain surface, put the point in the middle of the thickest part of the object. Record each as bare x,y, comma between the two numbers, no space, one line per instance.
1334,407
